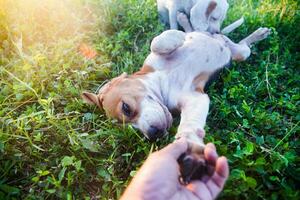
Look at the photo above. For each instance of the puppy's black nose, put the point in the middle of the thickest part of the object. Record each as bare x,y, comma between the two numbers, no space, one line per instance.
154,133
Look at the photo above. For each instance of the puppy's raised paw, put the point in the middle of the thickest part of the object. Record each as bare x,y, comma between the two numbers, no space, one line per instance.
193,165
167,42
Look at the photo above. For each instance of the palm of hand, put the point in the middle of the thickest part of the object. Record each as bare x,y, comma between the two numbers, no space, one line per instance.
158,177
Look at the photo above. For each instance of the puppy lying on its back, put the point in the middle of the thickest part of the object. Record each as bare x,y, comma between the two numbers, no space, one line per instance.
172,78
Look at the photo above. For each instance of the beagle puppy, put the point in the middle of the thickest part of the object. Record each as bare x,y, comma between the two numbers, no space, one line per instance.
207,15
204,15
172,78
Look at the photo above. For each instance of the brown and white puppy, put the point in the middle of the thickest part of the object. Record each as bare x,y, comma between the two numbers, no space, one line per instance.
172,79
204,15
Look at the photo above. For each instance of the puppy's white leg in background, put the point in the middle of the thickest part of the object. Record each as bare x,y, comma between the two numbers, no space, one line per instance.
233,26
194,110
184,22
173,18
167,42
258,35
163,14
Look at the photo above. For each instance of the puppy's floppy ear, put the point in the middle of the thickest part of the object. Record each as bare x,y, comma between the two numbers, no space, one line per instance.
92,99
200,14
107,86
211,6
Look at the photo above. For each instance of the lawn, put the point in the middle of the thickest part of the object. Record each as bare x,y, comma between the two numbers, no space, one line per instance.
52,145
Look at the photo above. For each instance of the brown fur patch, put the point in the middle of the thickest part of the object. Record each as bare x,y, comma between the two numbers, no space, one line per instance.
211,6
238,57
128,90
144,70
200,81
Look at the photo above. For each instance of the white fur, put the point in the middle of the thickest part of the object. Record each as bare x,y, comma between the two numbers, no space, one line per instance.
232,26
174,75
196,11
175,69
153,112
177,59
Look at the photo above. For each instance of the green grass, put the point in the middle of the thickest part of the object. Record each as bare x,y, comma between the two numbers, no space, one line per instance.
52,145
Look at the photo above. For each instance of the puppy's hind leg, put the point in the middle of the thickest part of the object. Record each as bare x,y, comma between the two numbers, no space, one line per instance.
173,18
167,42
228,29
239,52
242,51
258,35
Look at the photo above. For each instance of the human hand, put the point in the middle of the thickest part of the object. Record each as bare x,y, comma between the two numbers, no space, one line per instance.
158,177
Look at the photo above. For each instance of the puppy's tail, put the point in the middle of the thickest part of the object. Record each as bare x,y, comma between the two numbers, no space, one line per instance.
232,26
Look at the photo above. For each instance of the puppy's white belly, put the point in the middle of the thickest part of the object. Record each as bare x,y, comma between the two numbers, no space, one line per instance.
199,53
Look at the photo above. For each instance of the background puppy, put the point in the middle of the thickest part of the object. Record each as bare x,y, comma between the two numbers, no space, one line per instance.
204,15
239,51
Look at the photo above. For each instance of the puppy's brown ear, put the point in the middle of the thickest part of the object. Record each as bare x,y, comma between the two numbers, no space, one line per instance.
94,99
144,70
109,84
211,6
91,99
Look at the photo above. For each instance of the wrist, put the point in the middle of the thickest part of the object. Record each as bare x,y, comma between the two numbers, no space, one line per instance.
132,193
195,136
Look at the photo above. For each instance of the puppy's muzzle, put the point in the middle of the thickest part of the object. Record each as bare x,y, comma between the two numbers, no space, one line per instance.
154,133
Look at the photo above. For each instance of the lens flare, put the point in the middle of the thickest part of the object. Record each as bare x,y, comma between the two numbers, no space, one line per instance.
45,21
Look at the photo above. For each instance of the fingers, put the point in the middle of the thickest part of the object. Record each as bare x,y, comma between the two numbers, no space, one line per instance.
222,172
176,148
210,154
217,181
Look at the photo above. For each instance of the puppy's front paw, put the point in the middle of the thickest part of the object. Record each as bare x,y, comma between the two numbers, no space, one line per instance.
193,165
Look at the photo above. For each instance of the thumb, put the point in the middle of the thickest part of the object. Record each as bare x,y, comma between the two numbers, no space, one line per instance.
176,148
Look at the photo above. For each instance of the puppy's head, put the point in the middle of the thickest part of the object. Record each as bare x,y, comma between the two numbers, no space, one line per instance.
127,99
208,15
